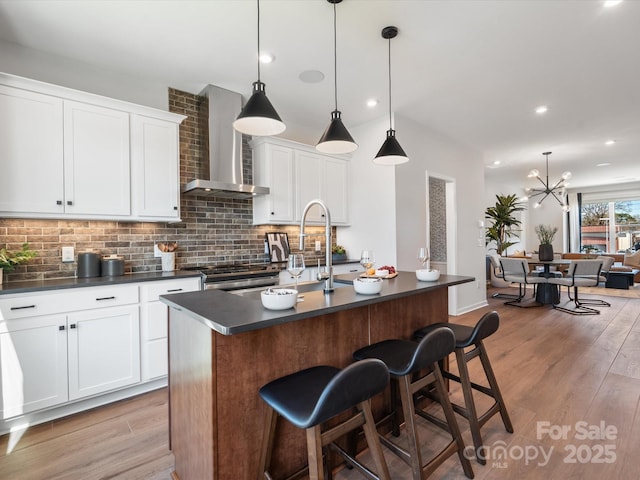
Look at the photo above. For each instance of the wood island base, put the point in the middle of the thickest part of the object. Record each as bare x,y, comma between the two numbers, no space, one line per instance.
216,415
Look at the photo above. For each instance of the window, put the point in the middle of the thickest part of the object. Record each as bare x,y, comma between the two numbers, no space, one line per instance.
609,225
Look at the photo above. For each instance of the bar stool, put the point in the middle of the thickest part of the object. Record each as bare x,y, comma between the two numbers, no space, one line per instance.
310,397
465,337
407,362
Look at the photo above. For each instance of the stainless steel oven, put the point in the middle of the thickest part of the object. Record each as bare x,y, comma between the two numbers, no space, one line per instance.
238,277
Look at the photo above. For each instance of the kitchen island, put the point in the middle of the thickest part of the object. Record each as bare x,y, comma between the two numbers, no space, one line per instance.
223,347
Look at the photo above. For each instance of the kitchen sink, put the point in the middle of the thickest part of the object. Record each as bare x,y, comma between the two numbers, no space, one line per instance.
315,286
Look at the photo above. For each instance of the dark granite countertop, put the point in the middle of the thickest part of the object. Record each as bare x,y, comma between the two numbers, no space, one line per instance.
232,313
29,286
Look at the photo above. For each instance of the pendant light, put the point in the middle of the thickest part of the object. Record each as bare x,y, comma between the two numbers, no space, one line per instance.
336,138
391,153
258,117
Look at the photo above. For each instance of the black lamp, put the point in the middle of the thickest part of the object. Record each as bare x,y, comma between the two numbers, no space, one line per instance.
258,117
391,153
336,138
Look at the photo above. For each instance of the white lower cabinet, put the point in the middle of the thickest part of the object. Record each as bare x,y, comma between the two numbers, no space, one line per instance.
154,318
33,364
103,349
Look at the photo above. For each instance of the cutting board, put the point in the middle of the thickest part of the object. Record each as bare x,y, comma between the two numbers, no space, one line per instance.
391,275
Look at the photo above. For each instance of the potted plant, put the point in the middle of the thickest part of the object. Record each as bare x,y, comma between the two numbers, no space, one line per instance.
338,253
545,236
9,260
505,224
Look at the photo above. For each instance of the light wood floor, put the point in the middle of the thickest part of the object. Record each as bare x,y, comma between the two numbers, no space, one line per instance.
552,367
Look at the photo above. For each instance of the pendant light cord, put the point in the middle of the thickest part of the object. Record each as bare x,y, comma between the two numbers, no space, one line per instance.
547,157
335,59
390,126
258,2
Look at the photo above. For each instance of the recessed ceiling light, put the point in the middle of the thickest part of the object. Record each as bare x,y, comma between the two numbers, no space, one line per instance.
497,162
311,76
609,142
266,57
541,109
372,102
612,3
605,164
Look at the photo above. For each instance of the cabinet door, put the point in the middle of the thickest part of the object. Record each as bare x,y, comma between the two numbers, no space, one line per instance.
104,350
155,162
30,152
96,160
33,364
309,179
154,317
273,167
335,189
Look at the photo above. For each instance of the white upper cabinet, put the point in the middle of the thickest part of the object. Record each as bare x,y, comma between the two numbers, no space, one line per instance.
273,167
31,152
156,170
335,193
304,176
96,160
75,155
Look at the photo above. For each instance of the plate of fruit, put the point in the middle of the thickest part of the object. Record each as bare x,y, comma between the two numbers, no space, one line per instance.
386,271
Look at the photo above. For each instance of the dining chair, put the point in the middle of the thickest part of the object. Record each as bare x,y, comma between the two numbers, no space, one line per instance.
516,270
581,273
497,271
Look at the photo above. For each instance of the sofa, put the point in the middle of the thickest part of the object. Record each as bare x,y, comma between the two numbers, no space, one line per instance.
629,261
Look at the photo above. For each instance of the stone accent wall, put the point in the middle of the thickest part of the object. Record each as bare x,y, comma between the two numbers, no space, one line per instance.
438,219
213,231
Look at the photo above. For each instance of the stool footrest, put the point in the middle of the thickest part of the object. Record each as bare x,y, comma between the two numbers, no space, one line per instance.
480,388
353,462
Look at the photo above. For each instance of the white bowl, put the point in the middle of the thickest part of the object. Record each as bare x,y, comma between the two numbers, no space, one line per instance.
382,273
279,298
427,275
367,286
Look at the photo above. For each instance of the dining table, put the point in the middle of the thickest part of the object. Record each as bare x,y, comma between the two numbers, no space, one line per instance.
548,293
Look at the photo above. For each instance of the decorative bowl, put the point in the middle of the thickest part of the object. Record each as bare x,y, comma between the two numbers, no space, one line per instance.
279,298
367,286
427,275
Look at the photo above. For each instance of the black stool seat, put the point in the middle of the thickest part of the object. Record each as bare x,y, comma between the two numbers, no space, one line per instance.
310,397
315,395
466,337
413,366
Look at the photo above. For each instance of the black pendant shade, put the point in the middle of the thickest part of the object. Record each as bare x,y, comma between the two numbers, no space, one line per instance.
336,138
391,153
258,117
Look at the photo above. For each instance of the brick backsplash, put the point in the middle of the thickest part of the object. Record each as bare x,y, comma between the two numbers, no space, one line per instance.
213,230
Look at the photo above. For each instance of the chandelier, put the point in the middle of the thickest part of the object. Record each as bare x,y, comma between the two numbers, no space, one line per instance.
557,190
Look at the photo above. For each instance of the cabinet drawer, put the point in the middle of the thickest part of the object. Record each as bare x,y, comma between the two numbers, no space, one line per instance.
69,300
150,291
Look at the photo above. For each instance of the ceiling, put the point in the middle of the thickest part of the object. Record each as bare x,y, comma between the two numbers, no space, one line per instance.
471,70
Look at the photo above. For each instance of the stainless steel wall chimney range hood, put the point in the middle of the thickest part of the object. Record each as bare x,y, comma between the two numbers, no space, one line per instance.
225,150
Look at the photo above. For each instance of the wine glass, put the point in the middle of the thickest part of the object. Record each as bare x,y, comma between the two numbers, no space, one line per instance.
367,259
295,266
423,256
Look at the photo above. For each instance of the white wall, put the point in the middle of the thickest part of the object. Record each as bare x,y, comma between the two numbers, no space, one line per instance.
392,218
435,155
37,65
372,198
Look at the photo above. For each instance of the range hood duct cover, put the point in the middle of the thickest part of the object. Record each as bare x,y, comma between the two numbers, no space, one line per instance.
225,150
